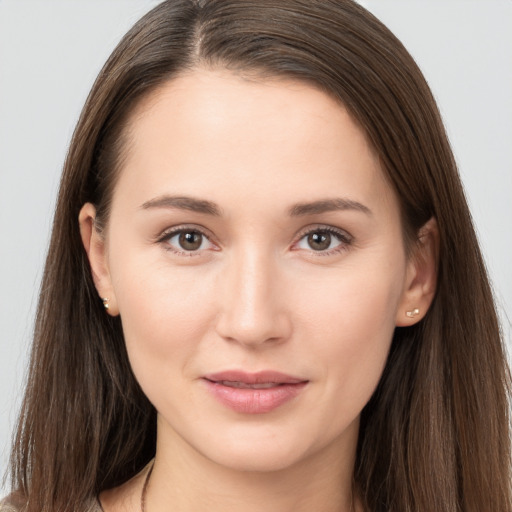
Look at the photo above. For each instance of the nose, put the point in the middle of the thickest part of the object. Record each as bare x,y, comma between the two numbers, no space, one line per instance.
252,301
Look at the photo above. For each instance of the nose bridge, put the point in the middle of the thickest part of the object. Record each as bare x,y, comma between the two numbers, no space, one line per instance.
252,305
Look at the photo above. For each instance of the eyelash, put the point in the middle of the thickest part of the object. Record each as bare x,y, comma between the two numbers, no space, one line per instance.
170,233
343,237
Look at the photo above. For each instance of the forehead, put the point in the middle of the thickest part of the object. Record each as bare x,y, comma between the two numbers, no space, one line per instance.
216,131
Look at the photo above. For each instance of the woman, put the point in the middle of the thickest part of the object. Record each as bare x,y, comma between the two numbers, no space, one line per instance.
263,289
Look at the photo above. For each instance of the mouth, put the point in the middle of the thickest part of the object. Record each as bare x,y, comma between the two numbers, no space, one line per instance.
244,385
267,378
254,393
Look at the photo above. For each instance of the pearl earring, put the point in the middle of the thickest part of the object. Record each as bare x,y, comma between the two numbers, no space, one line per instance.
413,313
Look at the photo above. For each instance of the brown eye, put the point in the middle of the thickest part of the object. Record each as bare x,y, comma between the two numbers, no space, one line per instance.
324,241
190,240
319,240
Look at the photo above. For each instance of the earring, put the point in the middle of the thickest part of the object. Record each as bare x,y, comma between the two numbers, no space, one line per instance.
413,313
105,303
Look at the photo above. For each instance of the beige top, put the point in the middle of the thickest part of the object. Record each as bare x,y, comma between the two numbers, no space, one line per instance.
15,503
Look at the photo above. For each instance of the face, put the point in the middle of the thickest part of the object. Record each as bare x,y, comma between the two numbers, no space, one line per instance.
254,252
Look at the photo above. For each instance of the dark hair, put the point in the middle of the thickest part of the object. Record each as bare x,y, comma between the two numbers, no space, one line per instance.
435,434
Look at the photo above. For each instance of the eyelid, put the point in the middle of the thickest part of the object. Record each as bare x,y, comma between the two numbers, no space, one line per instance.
344,236
168,233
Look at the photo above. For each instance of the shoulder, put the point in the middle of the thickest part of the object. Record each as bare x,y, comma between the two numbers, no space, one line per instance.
15,502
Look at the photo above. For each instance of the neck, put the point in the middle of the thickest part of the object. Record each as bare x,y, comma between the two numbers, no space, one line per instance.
184,480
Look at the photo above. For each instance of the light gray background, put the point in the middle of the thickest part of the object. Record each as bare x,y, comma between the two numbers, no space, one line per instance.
51,51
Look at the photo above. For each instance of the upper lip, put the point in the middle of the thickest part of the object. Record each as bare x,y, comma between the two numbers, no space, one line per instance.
262,377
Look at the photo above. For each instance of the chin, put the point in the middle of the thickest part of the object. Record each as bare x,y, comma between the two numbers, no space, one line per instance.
256,458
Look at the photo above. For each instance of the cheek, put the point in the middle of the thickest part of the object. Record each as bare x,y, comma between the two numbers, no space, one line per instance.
165,313
359,297
352,324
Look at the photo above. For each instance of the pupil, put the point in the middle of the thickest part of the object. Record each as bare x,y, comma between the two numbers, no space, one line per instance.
190,240
319,241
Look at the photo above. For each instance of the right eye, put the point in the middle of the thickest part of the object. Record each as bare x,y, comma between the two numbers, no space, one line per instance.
188,241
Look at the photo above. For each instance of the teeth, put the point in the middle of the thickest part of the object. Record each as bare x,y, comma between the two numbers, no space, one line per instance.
243,385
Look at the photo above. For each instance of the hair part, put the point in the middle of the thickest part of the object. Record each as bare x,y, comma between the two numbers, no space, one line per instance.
435,434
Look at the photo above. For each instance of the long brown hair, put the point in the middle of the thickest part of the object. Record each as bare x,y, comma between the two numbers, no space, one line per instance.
435,435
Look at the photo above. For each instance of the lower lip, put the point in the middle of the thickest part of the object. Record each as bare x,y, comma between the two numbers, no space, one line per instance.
254,401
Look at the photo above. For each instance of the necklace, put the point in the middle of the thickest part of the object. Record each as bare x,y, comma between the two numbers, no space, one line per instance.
145,489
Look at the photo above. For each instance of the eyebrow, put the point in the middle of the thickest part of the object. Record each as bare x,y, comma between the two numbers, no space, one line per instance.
183,203
328,205
297,210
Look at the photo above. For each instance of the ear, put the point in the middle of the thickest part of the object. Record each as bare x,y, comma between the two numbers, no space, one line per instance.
421,276
95,247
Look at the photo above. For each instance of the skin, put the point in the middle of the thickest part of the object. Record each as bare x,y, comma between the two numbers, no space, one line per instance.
257,294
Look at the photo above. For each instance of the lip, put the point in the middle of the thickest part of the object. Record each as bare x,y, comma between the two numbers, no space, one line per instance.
253,393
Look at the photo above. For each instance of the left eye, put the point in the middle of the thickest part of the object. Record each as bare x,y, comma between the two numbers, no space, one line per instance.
321,240
188,240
